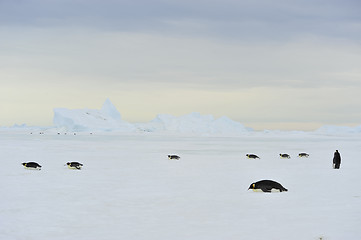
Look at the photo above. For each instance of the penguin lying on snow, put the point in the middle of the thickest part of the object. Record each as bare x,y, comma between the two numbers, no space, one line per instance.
253,156
267,186
303,155
32,165
176,157
284,155
74,165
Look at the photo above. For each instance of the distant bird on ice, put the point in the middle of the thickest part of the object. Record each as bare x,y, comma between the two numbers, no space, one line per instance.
74,165
171,157
253,156
32,165
284,155
267,186
305,155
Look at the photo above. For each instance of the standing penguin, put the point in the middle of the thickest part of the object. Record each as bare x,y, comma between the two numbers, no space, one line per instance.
336,160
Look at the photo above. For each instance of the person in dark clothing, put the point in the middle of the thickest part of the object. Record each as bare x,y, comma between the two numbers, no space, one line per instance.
336,160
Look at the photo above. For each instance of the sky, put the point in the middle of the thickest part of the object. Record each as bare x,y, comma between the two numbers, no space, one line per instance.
289,65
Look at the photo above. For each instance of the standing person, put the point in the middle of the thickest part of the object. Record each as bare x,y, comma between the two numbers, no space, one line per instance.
336,160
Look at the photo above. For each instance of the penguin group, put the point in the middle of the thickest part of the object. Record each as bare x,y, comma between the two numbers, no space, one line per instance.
282,155
266,186
37,166
269,186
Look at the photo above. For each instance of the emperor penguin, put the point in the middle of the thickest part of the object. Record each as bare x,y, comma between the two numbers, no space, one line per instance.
305,155
267,186
284,155
253,156
32,165
74,165
176,157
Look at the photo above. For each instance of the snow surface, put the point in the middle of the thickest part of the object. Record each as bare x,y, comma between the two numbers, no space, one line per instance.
128,189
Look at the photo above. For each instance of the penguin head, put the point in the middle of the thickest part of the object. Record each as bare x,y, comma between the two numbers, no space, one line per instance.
68,163
252,186
24,164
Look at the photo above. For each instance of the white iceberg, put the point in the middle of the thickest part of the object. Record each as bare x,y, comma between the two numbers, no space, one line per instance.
109,119
106,119
194,123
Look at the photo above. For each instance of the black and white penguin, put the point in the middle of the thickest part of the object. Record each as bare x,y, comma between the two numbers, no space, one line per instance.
32,165
253,156
171,157
284,155
74,165
305,155
267,186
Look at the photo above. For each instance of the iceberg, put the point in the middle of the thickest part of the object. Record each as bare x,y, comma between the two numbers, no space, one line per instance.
109,119
194,123
106,119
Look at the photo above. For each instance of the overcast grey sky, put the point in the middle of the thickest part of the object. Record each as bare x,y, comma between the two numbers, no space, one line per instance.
267,64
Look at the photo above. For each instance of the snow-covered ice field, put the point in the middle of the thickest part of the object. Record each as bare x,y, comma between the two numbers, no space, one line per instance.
128,189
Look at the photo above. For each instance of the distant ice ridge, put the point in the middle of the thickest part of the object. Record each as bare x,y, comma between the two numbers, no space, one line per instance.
109,119
330,129
193,123
106,119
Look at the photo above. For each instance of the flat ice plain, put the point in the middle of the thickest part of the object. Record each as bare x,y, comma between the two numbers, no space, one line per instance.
128,189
